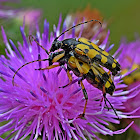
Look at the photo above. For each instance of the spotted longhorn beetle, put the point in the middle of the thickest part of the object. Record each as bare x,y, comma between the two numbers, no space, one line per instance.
82,51
86,51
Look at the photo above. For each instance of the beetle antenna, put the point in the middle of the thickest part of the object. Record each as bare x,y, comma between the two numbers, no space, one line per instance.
78,25
31,37
25,65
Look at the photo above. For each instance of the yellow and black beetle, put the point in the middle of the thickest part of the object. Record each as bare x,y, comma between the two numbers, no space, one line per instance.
86,51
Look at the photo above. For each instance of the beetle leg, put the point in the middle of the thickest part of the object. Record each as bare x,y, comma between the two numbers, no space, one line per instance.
70,79
58,57
78,66
108,73
49,67
86,98
105,99
112,107
104,96
69,75
104,92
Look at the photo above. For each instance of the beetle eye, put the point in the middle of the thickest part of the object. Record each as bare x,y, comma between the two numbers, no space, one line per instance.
55,46
59,45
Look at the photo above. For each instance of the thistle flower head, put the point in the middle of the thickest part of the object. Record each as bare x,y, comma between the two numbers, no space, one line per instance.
130,62
130,53
36,107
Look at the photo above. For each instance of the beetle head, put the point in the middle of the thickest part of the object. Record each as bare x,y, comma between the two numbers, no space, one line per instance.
55,45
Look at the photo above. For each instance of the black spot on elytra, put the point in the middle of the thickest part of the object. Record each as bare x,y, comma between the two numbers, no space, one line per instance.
101,49
86,50
98,58
117,66
108,65
81,63
90,75
110,60
91,47
105,76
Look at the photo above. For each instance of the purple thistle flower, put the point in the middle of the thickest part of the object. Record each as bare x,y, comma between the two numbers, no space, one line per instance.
130,61
36,106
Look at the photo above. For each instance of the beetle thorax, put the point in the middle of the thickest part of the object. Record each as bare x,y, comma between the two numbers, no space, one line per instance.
68,44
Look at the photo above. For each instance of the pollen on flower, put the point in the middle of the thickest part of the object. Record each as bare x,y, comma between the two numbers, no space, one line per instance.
36,107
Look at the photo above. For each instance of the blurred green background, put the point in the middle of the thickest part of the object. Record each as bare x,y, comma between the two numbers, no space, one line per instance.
124,16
